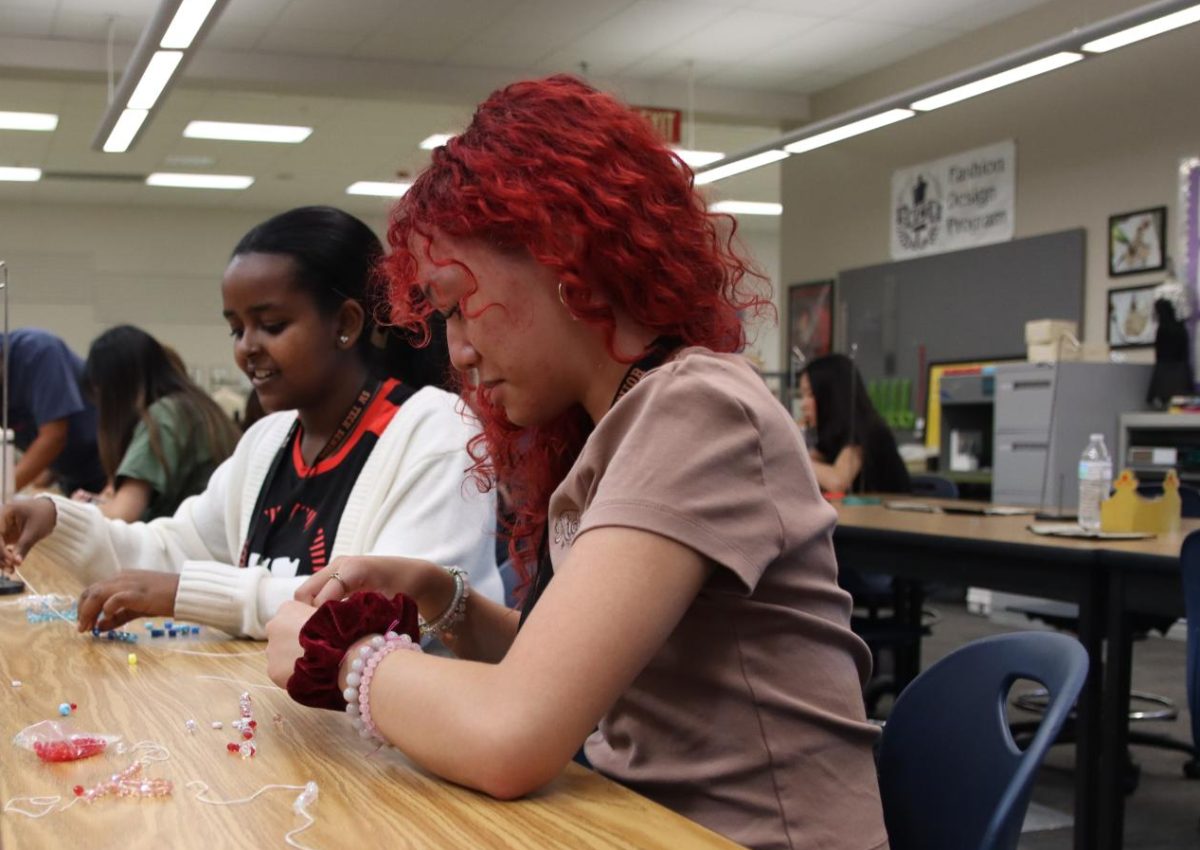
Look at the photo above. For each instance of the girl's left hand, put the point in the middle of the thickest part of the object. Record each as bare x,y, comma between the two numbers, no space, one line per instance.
283,640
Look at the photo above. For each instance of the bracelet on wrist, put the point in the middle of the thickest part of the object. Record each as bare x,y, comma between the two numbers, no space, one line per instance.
362,674
455,612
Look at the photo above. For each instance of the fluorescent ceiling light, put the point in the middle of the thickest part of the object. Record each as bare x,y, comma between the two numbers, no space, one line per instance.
39,121
20,175
189,17
124,130
154,79
199,181
1155,27
846,131
238,132
378,188
738,166
698,158
995,81
746,208
436,141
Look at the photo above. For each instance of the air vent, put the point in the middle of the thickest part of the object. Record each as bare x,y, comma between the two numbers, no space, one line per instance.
94,176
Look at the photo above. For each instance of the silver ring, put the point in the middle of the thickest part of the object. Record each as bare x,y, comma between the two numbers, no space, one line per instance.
337,577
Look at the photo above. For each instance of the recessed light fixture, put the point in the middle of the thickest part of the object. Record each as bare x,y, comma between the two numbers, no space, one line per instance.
435,141
846,131
1156,27
995,81
199,181
124,130
42,122
154,79
238,132
189,17
739,165
697,158
20,175
746,208
378,188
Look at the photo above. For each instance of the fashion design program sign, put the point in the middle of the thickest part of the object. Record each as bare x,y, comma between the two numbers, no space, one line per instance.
959,201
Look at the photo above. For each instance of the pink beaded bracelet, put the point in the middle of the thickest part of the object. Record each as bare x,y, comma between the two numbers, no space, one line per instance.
362,673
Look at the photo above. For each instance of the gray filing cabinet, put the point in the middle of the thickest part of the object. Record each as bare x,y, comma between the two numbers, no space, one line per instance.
1043,415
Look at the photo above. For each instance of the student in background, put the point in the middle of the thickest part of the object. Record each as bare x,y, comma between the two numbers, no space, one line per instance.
684,605
160,435
350,464
855,450
54,425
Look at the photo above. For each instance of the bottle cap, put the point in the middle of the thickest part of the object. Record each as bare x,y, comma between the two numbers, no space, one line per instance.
1096,437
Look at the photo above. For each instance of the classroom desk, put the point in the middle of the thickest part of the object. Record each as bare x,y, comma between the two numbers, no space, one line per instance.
364,800
1109,580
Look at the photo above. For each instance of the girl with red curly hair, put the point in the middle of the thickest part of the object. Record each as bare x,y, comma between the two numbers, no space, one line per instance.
682,614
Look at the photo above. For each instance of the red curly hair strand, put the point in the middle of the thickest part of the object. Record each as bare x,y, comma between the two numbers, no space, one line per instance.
580,181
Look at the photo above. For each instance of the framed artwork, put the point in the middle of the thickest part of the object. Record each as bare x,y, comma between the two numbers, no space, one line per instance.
809,321
1137,242
1132,322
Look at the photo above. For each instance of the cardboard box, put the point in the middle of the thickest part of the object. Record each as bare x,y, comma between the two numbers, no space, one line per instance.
1041,331
1050,352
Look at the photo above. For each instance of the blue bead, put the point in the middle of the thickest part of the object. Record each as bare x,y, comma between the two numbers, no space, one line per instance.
149,625
171,633
95,631
167,624
64,709
156,633
195,630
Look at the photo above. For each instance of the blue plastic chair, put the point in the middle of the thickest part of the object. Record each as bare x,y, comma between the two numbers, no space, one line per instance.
1189,568
950,774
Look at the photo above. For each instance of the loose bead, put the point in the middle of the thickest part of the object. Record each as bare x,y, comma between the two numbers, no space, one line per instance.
232,747
16,683
190,725
246,749
217,724
133,659
247,735
78,789
64,709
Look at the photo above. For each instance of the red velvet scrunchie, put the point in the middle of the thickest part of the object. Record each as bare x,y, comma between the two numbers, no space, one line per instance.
329,633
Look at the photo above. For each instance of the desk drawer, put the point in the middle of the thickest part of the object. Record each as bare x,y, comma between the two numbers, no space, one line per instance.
1019,465
1023,401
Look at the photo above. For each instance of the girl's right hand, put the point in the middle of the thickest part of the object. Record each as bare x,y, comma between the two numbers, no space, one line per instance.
24,522
429,585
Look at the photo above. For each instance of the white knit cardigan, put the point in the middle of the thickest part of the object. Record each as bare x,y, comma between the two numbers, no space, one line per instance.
411,499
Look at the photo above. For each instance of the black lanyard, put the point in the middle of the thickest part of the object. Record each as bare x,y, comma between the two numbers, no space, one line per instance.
336,441
655,356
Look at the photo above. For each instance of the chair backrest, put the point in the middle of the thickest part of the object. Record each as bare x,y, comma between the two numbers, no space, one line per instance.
1189,498
934,486
950,774
1189,568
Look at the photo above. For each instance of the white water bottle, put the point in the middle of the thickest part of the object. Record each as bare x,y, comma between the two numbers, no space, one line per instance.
1095,481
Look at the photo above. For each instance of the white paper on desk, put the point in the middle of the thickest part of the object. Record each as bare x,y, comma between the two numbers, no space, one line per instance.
1071,529
920,507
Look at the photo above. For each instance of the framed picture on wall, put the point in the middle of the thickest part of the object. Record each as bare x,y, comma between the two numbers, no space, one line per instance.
1132,322
1137,242
809,321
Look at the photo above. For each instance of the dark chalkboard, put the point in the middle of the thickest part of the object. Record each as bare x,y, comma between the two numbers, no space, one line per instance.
963,305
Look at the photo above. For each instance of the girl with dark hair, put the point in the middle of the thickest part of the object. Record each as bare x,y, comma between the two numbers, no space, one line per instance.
855,449
349,464
160,435
682,602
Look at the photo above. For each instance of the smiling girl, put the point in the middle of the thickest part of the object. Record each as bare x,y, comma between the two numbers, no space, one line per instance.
351,463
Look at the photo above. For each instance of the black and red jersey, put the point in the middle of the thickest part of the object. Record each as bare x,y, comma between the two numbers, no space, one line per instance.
299,507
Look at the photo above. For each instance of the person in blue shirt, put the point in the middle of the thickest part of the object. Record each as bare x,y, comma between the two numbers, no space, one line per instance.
53,424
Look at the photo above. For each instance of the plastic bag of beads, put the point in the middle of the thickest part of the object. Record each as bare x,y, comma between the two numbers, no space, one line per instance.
53,741
49,607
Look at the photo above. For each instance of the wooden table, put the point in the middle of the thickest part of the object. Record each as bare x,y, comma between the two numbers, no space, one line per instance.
1109,580
364,800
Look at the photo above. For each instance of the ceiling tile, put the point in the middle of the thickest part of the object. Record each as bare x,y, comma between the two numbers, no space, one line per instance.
740,34
33,21
309,42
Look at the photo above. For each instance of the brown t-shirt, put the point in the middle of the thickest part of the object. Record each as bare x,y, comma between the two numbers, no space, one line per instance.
750,718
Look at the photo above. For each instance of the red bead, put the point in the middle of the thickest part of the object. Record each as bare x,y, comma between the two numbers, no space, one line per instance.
247,735
232,747
253,724
78,789
74,706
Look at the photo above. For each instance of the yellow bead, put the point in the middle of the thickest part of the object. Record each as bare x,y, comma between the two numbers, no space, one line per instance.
132,659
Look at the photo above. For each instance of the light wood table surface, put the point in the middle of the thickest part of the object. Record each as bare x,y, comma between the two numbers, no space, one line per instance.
365,801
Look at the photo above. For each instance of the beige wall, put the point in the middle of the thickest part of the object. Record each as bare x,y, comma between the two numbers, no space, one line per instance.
1101,137
79,269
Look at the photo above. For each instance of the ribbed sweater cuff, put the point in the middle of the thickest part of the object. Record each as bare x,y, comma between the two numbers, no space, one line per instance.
70,542
221,596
